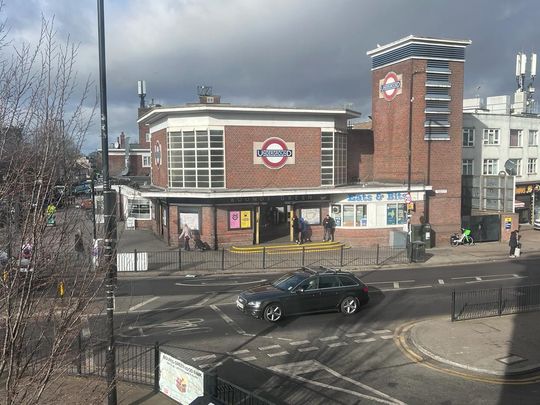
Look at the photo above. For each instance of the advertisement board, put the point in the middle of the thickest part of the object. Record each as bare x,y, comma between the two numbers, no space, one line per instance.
178,380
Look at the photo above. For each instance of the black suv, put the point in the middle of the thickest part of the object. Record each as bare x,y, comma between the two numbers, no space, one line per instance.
303,291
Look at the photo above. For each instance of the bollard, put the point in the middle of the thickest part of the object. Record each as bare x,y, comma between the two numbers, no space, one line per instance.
135,259
264,257
156,367
61,289
179,258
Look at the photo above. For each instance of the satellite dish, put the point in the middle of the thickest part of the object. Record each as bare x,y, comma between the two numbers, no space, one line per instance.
116,145
510,167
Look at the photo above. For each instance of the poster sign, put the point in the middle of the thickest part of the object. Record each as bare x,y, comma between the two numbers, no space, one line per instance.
508,223
190,219
311,215
180,381
240,219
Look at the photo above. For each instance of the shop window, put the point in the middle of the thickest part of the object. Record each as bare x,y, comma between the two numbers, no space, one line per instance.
138,209
189,217
348,215
396,214
361,215
239,219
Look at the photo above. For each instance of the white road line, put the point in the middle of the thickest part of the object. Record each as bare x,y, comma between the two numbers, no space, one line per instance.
237,352
210,356
396,284
337,344
494,279
141,304
478,278
365,340
355,334
391,282
283,353
386,337
219,363
269,347
516,275
326,339
229,321
308,349
251,358
298,343
441,281
205,300
405,288
381,331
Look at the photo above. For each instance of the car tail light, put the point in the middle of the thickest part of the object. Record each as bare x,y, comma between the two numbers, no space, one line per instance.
365,289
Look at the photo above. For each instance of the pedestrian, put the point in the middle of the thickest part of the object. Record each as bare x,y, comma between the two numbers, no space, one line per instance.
303,225
185,236
513,243
79,244
296,229
328,225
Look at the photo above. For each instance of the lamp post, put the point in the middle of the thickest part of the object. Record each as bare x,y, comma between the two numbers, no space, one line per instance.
109,203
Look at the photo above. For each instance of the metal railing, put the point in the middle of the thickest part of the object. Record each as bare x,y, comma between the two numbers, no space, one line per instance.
229,393
494,302
223,259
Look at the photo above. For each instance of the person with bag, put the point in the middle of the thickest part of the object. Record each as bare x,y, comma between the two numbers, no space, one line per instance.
185,236
514,242
328,225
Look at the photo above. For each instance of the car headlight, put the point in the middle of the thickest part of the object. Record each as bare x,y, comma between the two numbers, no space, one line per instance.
255,304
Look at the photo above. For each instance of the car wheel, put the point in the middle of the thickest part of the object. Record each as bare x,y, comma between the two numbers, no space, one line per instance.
273,312
349,305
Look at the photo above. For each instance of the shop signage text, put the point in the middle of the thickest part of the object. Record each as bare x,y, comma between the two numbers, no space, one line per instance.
274,153
400,197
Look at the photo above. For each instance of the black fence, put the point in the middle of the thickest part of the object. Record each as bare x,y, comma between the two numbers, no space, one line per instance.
229,393
494,302
180,260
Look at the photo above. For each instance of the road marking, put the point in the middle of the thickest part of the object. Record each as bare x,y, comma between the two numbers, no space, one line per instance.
355,334
269,347
493,279
229,321
301,342
387,337
337,344
392,282
326,339
405,288
381,331
283,353
244,351
205,300
441,281
308,349
294,369
478,278
396,284
365,340
141,304
251,358
208,357
203,284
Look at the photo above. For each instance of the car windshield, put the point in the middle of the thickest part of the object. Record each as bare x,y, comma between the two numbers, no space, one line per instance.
289,281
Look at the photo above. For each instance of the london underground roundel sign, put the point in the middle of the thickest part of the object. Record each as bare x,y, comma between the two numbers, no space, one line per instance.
274,153
390,86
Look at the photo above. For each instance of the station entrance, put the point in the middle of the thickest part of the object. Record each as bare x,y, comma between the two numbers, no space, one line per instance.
273,224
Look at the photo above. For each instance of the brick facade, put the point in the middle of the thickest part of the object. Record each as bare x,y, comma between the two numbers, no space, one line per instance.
159,172
242,173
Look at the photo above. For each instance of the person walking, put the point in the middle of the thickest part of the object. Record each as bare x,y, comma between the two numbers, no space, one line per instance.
303,225
79,244
328,225
185,236
513,243
296,229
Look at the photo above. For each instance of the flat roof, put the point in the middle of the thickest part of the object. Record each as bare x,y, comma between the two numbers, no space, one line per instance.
413,38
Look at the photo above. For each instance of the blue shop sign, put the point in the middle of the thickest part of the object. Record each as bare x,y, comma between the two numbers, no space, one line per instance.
369,197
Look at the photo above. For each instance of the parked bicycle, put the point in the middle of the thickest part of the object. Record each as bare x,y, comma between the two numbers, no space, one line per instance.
463,238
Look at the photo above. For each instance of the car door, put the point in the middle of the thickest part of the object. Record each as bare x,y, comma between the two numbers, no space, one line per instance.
329,288
307,296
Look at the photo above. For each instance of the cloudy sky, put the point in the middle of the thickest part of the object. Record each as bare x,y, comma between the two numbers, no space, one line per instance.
271,52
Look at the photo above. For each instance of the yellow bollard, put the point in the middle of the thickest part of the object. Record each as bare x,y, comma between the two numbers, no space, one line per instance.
61,289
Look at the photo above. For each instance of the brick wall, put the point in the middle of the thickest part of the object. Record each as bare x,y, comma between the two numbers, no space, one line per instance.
360,155
136,168
159,173
242,173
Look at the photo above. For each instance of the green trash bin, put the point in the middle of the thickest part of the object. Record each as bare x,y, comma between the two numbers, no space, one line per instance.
418,252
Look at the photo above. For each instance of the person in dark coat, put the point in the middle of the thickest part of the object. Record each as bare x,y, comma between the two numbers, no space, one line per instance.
328,225
296,229
513,243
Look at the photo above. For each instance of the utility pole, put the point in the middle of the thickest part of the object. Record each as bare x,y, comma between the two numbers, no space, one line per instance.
109,207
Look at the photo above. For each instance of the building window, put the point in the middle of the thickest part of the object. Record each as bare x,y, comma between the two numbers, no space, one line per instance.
531,166
138,208
491,166
467,167
350,215
468,137
533,137
396,214
196,159
517,167
146,160
516,138
333,158
147,137
491,137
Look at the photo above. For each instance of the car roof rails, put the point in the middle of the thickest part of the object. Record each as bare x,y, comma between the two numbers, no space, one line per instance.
324,269
309,270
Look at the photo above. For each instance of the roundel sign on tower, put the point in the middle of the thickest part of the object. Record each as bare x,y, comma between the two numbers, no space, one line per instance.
390,86
274,153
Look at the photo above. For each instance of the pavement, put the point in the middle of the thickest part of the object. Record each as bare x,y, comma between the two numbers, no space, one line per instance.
498,349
